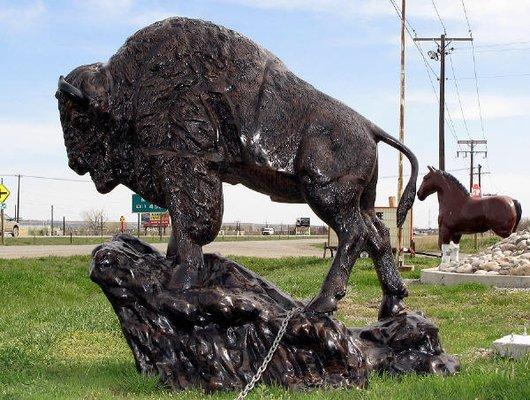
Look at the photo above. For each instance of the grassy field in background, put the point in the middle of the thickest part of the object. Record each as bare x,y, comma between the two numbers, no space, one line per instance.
59,337
62,240
429,243
467,243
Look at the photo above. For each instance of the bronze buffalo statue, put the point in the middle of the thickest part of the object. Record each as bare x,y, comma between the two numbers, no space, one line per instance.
185,105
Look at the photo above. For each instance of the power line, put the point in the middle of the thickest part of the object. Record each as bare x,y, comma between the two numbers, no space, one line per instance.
493,76
429,70
48,178
458,96
438,15
474,70
502,44
493,50
476,82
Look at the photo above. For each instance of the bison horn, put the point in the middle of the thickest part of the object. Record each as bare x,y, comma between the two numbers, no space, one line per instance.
432,169
71,90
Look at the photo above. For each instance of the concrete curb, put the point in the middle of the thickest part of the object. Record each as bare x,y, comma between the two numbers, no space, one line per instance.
434,276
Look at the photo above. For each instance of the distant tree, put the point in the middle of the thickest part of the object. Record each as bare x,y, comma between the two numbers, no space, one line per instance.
95,221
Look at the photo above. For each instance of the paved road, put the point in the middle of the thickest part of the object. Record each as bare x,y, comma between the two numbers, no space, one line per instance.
258,248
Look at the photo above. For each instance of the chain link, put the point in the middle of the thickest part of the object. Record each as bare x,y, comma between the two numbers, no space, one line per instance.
257,376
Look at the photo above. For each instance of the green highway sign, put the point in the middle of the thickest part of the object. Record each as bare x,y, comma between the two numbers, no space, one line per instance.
140,205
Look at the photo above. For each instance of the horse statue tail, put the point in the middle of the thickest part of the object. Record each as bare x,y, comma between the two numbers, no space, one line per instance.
409,194
519,212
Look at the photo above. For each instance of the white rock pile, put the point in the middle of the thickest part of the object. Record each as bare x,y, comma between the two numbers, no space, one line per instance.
510,256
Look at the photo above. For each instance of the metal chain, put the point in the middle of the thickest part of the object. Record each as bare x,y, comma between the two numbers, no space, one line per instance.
257,376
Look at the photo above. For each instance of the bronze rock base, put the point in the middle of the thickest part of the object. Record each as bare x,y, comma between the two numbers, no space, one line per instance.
216,336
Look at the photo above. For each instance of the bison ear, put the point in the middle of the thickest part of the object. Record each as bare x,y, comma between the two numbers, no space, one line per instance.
71,91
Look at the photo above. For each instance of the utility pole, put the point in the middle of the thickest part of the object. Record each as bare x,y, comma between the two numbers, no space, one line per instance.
471,143
17,214
472,151
401,126
64,226
51,223
439,55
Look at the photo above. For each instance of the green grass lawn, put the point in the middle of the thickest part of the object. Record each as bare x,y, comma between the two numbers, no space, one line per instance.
61,240
59,337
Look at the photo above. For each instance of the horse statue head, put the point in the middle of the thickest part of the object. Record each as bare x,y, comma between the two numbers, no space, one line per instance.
437,181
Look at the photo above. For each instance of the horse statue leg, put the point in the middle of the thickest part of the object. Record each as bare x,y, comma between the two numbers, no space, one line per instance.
444,239
455,248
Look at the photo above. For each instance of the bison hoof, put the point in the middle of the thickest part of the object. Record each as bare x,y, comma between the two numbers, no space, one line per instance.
391,305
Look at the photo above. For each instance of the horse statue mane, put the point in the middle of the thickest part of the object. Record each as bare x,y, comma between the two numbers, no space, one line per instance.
453,179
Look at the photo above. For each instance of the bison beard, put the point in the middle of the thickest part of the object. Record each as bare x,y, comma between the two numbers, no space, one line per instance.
185,105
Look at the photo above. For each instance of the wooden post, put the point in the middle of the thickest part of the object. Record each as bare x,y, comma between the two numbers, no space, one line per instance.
399,256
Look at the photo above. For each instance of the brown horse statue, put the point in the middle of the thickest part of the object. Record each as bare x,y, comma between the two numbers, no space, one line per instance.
460,213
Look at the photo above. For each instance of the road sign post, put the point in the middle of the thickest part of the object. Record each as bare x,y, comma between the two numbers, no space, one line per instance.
2,224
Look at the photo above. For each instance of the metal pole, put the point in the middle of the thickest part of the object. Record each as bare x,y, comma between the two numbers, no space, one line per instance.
401,125
138,232
2,223
441,114
64,225
17,216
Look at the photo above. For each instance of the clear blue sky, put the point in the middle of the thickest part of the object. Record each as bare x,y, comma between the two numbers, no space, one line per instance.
348,49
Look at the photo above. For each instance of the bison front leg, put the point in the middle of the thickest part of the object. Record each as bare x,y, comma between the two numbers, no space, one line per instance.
187,258
196,207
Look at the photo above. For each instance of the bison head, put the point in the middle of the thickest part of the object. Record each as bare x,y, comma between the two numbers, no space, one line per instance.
89,130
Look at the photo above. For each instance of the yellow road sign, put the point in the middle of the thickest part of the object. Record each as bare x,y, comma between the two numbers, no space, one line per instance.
4,193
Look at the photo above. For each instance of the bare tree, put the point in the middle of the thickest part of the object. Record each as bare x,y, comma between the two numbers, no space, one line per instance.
95,221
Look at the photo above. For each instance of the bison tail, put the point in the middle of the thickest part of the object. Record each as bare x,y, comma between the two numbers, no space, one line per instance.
519,212
409,194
